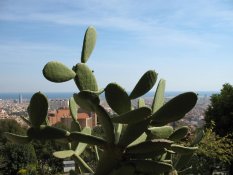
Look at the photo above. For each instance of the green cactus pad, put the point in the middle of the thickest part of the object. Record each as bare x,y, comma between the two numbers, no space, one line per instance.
82,146
38,109
182,149
127,170
18,139
182,161
26,121
199,134
82,164
149,146
47,132
145,84
146,155
63,154
86,138
175,109
134,116
141,102
85,79
117,98
106,123
162,132
87,100
88,43
140,139
57,72
73,108
179,133
158,100
132,132
148,166
118,130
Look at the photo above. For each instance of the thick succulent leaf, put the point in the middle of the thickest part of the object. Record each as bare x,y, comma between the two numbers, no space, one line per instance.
148,166
118,130
182,161
162,132
182,149
57,72
140,139
144,85
26,121
134,116
175,109
179,133
126,169
88,43
132,132
38,109
106,123
141,102
86,138
63,154
145,155
117,98
82,164
149,146
87,100
158,100
199,134
75,126
47,132
82,146
73,108
85,79
18,139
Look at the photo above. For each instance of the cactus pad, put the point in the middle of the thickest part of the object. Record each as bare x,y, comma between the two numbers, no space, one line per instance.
158,100
88,44
149,146
134,116
63,154
18,139
106,123
85,79
182,149
87,100
117,98
162,132
145,84
57,72
175,109
179,133
38,109
47,133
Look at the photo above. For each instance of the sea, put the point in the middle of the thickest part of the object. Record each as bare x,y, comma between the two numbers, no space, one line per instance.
67,95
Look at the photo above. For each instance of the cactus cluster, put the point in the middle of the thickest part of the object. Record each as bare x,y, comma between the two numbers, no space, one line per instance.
137,141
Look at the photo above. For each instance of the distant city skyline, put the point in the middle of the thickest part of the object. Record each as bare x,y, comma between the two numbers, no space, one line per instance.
188,43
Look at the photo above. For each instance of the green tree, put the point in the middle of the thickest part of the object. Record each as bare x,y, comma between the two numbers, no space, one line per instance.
221,111
14,156
18,156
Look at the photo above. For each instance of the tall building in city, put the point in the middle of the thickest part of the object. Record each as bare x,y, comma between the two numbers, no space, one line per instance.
20,98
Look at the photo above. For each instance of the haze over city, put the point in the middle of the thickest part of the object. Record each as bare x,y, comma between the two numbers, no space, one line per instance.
189,43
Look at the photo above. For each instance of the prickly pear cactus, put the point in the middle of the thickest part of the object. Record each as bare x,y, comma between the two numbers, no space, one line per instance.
137,141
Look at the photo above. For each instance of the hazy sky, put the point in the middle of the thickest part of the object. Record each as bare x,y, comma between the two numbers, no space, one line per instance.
188,42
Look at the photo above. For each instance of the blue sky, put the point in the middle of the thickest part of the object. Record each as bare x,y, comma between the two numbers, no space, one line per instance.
188,42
